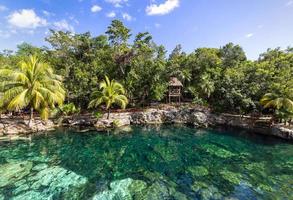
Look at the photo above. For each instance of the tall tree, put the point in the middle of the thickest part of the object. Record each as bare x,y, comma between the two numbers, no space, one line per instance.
118,36
110,92
33,84
82,60
232,55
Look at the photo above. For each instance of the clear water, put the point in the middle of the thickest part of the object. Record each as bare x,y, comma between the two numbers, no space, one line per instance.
190,163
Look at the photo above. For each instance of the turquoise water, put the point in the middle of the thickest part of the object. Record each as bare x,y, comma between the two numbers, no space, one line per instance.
167,162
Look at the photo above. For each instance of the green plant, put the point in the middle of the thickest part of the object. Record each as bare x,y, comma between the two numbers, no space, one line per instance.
116,123
32,84
98,115
69,109
283,106
111,92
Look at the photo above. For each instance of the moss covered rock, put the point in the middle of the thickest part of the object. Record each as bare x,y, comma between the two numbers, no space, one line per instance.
198,171
205,191
217,151
123,189
231,177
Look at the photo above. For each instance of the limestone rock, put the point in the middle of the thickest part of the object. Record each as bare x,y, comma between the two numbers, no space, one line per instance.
50,182
150,116
199,119
198,171
11,172
129,189
122,189
282,132
115,120
205,191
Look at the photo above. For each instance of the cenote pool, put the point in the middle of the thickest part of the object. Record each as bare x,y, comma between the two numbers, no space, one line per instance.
167,162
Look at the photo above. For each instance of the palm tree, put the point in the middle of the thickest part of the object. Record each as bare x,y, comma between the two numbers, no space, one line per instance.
32,84
111,92
280,103
207,87
271,100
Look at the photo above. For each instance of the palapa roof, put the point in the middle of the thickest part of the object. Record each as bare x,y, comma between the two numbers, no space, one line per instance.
175,82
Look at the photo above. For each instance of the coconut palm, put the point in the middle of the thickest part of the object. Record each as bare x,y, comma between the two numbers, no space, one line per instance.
33,85
207,87
282,105
271,100
111,92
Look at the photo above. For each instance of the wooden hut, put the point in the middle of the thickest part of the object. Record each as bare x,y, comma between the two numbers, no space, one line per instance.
175,87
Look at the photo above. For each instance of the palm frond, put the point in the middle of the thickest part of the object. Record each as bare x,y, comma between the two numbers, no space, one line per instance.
19,101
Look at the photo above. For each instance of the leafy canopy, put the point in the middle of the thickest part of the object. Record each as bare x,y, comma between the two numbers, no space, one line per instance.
32,84
111,92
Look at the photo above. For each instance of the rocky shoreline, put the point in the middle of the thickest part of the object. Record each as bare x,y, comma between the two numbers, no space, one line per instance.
198,117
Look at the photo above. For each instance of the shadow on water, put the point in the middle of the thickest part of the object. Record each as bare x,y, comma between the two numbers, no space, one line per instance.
196,162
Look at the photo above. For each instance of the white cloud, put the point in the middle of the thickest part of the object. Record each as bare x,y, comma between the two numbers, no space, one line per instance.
47,13
249,35
127,17
26,18
117,3
289,3
162,9
96,8
3,8
111,14
157,25
63,25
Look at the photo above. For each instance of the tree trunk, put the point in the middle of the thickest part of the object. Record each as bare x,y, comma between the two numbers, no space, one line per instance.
108,116
31,117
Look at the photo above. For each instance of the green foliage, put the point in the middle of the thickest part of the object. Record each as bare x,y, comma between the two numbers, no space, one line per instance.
66,110
221,78
118,33
110,92
116,123
32,84
69,109
81,60
98,115
282,105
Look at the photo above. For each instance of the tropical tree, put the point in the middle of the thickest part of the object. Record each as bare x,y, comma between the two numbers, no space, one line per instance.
111,92
207,87
32,84
282,105
271,100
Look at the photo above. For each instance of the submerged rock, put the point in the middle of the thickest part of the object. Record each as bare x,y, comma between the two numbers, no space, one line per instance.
50,182
231,177
167,152
198,171
217,151
129,189
32,195
40,167
205,191
157,190
13,171
123,189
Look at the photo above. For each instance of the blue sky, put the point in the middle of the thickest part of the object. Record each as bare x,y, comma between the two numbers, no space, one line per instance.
254,24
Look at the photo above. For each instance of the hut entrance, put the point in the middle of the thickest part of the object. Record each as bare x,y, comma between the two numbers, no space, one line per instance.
175,87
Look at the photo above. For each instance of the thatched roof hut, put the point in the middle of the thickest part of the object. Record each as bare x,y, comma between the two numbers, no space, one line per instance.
175,89
175,82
